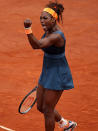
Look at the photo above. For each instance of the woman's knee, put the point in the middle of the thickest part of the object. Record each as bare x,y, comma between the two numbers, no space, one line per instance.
47,110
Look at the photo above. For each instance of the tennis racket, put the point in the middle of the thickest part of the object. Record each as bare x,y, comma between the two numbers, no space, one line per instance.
28,102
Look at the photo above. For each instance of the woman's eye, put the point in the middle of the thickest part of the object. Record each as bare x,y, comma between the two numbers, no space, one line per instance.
45,18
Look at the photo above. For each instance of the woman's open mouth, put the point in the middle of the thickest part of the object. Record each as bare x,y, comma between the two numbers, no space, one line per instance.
44,27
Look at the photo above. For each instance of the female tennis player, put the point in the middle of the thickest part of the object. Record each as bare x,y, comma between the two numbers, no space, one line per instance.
56,76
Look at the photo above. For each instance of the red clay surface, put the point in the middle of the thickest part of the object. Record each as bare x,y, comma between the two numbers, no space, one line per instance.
20,65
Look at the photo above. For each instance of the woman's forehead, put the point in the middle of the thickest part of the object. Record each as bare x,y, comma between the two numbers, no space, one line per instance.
44,13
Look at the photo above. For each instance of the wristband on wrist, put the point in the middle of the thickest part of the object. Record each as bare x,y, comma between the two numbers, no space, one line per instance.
28,30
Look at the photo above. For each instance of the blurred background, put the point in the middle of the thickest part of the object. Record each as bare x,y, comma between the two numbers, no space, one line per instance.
20,65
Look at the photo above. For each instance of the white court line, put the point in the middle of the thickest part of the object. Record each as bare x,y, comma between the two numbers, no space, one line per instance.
5,128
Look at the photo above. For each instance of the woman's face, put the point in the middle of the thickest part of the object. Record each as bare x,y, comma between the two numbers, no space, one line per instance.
46,21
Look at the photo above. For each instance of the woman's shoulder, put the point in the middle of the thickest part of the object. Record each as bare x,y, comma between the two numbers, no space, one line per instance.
61,33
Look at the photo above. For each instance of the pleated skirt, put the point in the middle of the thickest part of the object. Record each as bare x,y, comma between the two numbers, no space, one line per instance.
56,74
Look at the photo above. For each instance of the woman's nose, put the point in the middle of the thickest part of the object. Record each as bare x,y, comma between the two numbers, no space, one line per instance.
42,20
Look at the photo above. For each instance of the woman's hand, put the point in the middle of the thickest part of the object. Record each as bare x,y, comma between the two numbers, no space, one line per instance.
27,23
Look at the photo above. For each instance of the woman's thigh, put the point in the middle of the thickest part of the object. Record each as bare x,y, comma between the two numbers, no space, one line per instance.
40,97
51,98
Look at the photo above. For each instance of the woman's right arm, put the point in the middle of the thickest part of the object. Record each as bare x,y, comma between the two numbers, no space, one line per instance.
43,43
27,26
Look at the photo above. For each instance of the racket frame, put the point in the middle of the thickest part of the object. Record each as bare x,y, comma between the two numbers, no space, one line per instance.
19,109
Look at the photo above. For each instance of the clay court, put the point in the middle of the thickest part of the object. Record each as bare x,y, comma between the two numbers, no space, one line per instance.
20,65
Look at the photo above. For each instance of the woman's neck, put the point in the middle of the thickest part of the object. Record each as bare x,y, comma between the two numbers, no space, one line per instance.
55,28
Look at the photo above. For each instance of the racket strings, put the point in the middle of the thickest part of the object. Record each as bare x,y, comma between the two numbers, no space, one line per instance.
27,103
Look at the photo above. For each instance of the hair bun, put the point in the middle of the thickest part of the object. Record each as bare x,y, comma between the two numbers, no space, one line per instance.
60,7
57,7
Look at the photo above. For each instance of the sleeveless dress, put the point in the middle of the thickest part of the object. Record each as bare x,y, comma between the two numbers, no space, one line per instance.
56,74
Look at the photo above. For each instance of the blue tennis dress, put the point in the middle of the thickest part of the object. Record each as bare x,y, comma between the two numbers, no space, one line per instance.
56,74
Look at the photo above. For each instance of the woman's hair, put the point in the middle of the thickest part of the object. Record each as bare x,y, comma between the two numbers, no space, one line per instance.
58,8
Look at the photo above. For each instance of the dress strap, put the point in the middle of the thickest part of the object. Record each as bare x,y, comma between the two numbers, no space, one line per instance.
43,35
61,33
